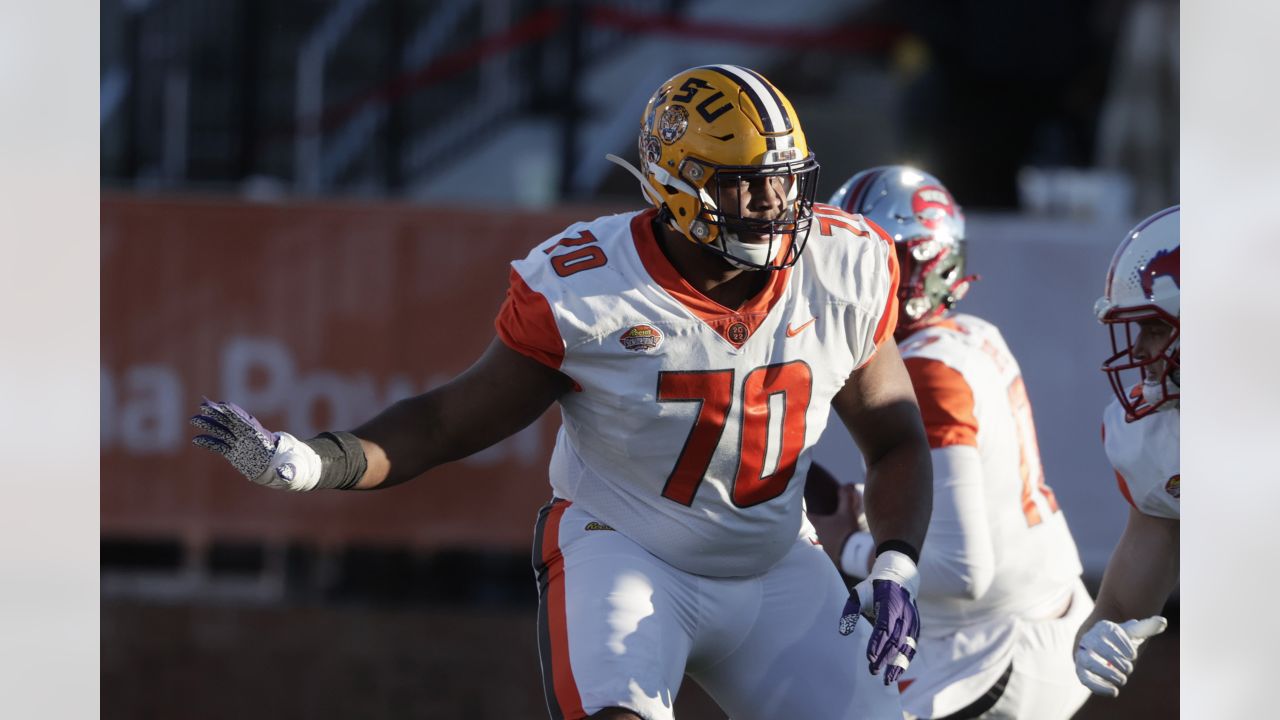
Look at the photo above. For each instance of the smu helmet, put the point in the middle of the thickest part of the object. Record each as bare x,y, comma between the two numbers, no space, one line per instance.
1143,283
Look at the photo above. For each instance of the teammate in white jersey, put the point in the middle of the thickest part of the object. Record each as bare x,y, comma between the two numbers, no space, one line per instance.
695,350
1140,305
1000,588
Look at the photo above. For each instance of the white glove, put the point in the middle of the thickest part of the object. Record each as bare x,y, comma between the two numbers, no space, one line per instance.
1107,652
273,459
294,466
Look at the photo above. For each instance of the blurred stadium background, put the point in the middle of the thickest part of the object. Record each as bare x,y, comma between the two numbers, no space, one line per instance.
308,207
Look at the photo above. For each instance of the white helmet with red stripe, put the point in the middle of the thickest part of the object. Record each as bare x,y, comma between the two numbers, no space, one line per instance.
927,227
1143,284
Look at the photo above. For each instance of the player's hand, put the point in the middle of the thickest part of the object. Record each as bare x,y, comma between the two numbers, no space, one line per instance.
274,459
1105,656
890,590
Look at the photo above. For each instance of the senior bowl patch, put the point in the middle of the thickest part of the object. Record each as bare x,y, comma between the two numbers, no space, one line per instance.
1173,486
641,338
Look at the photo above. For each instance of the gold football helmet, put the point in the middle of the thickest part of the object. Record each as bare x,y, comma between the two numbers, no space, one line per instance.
719,126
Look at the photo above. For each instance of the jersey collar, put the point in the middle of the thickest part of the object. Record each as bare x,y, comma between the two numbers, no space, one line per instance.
752,312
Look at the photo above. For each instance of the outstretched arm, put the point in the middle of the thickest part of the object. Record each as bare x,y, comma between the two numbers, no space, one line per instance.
1143,570
496,397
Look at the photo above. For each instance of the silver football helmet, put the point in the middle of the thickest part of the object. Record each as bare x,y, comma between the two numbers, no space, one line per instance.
927,227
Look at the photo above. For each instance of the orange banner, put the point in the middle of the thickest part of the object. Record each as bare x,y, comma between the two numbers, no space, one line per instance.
312,316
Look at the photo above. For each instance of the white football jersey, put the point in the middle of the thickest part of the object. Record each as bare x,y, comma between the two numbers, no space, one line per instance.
971,393
1144,454
689,421
975,408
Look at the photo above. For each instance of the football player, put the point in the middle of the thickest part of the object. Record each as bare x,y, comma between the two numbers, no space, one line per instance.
1000,588
695,349
1140,307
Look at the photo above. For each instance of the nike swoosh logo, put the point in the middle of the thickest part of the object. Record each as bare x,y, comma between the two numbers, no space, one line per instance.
792,332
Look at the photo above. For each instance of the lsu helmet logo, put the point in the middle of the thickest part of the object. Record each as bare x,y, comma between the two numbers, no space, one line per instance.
1165,263
641,338
931,204
673,123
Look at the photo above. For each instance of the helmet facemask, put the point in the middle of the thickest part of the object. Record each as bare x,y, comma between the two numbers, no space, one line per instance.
716,127
1143,285
725,228
928,230
933,280
1126,372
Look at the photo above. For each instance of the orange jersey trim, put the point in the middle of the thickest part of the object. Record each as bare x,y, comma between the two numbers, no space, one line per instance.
566,688
946,403
1124,489
945,323
525,323
1124,486
720,318
889,317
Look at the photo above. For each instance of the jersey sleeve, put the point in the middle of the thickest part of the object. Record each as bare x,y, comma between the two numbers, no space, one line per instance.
889,315
1120,481
946,403
526,324
1124,490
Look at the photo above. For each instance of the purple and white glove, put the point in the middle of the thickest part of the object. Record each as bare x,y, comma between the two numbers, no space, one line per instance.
273,459
1107,652
890,590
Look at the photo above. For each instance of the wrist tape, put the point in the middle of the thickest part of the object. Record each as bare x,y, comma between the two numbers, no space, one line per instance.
901,546
342,460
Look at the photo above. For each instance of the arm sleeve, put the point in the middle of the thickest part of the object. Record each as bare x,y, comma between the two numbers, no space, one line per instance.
958,559
526,324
